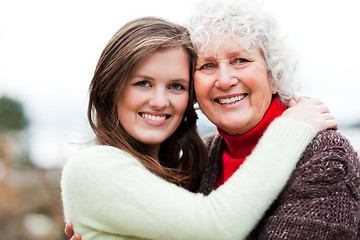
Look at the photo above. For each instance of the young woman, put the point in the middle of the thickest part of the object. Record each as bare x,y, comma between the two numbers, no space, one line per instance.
134,184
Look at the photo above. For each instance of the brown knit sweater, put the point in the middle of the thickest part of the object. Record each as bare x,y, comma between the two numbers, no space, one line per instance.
321,199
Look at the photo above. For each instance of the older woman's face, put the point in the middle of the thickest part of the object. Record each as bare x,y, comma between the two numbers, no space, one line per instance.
232,85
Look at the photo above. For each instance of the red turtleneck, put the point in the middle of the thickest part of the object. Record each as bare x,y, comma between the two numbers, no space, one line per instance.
240,146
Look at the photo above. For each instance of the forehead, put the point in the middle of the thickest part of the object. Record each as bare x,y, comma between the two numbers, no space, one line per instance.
164,65
164,57
227,47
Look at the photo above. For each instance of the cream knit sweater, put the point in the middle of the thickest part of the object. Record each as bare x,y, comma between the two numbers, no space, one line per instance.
108,194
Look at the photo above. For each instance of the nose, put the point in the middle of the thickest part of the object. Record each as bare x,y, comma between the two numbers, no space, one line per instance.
159,99
225,77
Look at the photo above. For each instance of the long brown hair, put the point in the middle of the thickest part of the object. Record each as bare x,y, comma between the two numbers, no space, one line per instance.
182,156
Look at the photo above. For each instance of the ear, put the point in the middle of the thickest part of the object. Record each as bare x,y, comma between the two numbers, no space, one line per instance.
272,84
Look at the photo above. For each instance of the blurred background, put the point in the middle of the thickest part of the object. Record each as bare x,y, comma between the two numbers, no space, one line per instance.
48,53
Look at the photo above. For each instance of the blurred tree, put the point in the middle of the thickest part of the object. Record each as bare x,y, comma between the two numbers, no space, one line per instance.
13,149
12,116
29,197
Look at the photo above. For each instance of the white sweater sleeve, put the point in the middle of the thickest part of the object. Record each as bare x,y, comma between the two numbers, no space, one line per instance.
106,191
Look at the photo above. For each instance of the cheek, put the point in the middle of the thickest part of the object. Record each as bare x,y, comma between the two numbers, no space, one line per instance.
260,84
127,102
179,104
262,101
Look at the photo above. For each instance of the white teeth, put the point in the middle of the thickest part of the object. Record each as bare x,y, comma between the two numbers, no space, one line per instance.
231,100
153,118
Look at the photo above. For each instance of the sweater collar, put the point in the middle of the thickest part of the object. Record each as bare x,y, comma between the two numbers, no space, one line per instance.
240,146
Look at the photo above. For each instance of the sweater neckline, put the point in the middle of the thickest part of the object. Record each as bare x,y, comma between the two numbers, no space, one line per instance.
240,146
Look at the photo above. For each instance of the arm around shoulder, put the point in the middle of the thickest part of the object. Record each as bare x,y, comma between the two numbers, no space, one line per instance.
105,190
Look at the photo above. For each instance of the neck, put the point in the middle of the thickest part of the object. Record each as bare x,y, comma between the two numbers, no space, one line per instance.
153,150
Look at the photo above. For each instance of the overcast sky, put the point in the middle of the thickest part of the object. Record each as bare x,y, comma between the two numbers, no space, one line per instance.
49,49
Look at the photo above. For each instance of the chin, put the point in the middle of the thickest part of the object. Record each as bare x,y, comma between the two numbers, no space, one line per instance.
154,140
234,128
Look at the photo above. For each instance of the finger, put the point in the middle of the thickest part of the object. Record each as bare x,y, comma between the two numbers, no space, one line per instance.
292,102
328,116
332,124
322,108
316,101
76,237
303,99
69,229
296,98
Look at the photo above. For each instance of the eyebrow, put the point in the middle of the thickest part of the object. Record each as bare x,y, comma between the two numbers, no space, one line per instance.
144,76
228,55
237,53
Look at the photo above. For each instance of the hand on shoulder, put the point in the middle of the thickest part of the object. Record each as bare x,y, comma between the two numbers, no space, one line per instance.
311,111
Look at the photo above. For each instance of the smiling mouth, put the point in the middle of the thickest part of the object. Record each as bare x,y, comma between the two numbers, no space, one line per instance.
230,100
156,118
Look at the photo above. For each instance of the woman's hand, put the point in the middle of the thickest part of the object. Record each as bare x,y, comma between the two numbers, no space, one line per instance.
69,231
311,111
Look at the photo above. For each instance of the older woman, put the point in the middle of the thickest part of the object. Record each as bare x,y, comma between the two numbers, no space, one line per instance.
243,81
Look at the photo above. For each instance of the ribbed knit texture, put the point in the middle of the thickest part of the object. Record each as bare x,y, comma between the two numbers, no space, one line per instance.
321,199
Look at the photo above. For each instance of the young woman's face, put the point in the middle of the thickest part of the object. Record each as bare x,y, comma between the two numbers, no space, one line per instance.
232,85
155,98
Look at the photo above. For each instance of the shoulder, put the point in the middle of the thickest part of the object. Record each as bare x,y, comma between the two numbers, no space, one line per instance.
213,141
92,169
331,138
96,173
98,153
98,161
215,145
98,150
323,193
332,143
209,138
331,162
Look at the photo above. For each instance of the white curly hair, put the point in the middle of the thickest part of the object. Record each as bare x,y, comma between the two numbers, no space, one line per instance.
247,21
